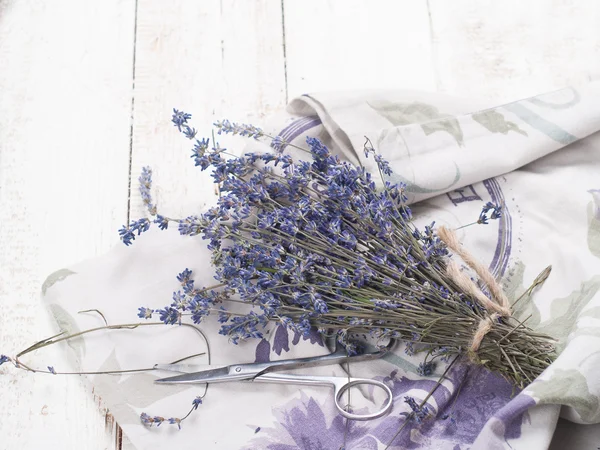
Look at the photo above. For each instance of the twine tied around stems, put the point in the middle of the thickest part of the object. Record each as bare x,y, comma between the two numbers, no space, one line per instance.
498,305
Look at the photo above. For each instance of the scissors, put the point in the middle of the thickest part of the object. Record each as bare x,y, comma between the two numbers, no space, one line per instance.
267,372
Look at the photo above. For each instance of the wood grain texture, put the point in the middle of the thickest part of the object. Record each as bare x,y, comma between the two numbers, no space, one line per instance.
357,44
66,117
65,96
214,59
504,51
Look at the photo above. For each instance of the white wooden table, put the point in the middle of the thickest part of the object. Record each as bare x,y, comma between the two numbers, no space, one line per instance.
86,91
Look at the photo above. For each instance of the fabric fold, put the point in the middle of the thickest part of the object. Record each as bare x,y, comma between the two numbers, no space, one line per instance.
454,155
434,148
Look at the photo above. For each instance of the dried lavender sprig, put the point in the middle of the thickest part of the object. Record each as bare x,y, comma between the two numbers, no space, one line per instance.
180,118
158,420
489,211
145,180
320,246
247,130
145,418
233,128
63,336
419,412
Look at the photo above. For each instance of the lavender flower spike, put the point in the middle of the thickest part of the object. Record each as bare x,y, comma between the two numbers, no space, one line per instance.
145,180
197,402
496,213
175,421
189,132
419,412
426,369
180,118
227,127
145,313
127,233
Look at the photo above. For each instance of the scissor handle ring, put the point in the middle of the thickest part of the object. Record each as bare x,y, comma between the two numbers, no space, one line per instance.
343,387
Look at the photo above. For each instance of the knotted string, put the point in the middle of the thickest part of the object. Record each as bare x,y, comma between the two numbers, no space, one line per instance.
498,305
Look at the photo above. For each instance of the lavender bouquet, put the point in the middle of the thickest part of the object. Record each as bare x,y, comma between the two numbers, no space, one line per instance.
316,243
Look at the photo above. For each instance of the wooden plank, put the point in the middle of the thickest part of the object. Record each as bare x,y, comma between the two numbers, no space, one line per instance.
357,44
65,103
213,59
503,51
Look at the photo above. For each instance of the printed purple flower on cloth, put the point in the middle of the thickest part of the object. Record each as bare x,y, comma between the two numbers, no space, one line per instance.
305,424
484,400
263,351
281,342
482,395
385,431
511,417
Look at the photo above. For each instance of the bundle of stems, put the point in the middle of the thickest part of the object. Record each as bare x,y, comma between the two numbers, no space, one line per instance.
318,244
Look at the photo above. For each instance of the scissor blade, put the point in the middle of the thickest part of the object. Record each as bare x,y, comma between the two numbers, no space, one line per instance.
207,376
186,368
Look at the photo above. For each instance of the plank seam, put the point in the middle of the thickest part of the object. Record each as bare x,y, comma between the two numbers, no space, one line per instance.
285,75
135,23
434,55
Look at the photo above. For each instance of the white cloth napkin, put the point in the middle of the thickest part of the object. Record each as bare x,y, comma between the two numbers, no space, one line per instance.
537,157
